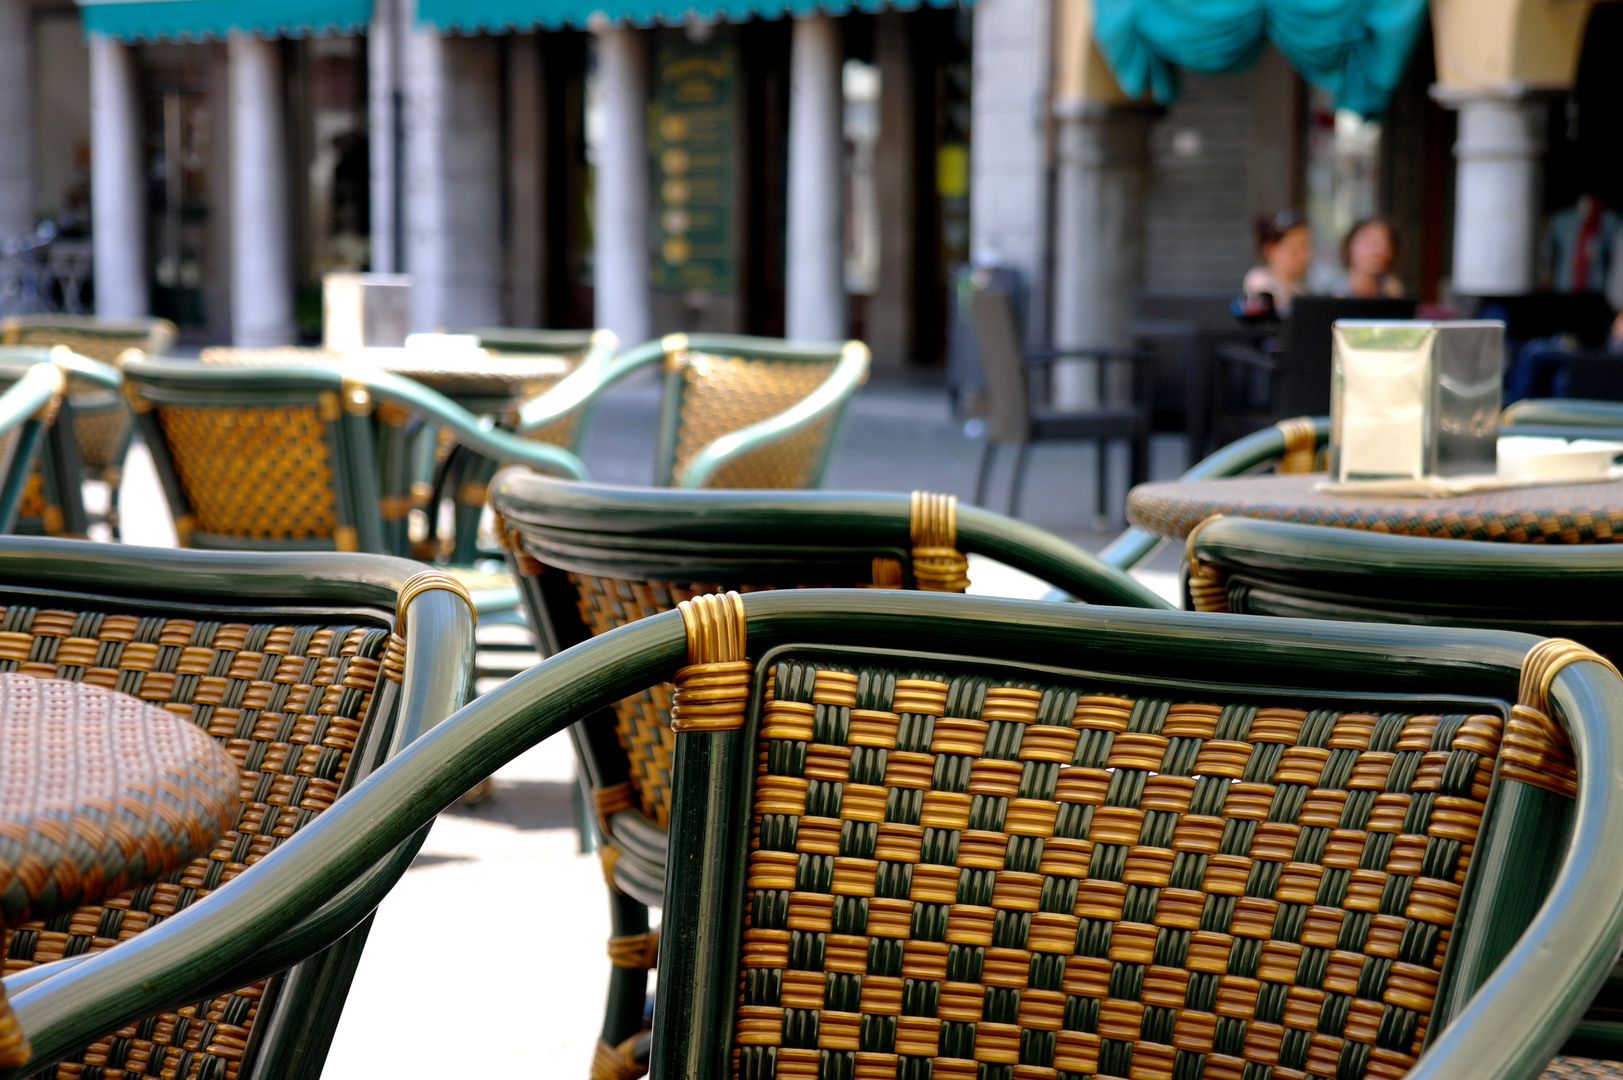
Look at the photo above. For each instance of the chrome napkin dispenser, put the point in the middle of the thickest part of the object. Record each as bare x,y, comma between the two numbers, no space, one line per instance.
1413,399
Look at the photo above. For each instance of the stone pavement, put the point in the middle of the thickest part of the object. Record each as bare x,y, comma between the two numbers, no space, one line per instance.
489,954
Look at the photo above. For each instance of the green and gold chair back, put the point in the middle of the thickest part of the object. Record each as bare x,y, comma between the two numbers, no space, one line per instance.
51,502
904,861
1255,567
928,836
302,456
591,558
296,667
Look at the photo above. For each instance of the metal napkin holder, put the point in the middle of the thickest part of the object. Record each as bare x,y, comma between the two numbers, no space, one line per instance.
1411,399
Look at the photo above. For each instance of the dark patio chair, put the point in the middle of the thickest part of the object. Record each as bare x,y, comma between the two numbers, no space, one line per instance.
590,558
29,407
310,670
1289,446
52,502
1018,415
936,836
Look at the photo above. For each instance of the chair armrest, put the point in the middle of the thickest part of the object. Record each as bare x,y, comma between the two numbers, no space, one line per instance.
480,436
82,369
1129,549
850,371
26,397
1566,412
580,388
1046,556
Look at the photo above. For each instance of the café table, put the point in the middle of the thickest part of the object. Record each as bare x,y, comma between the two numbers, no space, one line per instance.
100,792
1569,513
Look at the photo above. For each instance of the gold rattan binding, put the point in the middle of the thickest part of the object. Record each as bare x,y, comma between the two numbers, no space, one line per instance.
1536,749
1207,588
938,565
1300,451
637,951
712,690
610,800
616,1062
394,653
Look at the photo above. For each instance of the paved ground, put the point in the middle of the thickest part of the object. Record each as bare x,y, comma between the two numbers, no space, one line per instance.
489,955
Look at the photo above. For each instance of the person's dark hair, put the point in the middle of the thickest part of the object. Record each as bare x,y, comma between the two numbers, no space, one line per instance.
1359,226
1271,230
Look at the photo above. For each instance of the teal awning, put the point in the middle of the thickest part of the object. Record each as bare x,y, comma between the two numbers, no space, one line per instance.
202,20
1354,49
495,16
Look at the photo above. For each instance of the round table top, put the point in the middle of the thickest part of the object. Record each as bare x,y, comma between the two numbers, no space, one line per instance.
1549,514
506,377
99,792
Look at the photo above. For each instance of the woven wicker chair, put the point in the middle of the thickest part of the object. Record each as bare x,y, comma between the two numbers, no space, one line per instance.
288,458
743,412
1288,446
590,558
504,383
1257,567
52,501
925,836
101,420
29,406
310,670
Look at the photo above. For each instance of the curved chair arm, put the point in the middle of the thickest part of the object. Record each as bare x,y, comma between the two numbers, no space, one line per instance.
1057,562
1515,1016
31,394
849,373
482,437
1134,545
575,391
1519,1017
82,369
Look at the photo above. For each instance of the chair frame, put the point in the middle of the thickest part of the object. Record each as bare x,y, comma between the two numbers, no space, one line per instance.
432,667
582,389
370,470
1519,973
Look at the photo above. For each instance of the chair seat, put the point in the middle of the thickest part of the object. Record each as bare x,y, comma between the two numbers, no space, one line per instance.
99,792
1118,422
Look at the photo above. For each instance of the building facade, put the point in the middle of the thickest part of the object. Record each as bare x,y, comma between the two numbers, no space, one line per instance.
774,168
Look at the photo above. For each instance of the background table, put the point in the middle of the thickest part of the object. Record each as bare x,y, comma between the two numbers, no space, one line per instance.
1552,514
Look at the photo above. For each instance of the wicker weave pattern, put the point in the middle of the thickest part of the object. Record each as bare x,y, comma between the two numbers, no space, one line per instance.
264,473
956,878
721,394
287,702
102,430
1576,1068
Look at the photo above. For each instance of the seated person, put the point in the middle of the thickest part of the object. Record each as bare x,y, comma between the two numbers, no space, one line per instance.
1367,253
1286,244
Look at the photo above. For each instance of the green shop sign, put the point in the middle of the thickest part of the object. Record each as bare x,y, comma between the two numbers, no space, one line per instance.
694,141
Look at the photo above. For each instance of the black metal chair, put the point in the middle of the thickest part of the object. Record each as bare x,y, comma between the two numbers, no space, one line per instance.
1013,417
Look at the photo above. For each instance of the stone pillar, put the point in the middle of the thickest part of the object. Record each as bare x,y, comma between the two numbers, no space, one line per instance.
1100,182
1007,214
620,281
526,180
117,197
386,135
814,272
16,120
891,311
1497,194
453,180
261,248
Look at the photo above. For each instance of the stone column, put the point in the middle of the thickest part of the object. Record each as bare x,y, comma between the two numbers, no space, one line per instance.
386,135
1007,214
16,120
453,183
117,197
526,181
620,281
1100,182
261,251
814,286
1497,195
